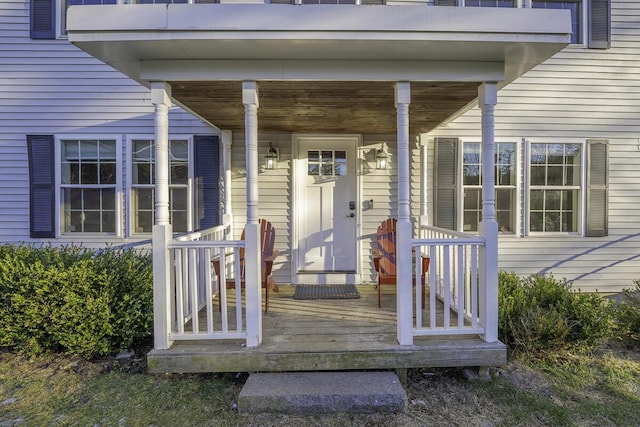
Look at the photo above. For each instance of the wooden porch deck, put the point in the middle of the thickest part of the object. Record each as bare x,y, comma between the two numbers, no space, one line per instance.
318,335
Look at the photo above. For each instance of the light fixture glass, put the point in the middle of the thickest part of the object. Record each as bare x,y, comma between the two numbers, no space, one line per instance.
382,158
271,158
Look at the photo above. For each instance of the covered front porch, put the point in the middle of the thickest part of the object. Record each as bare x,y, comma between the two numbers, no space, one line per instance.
399,70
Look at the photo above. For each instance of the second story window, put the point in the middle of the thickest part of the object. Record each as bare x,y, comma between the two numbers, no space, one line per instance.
575,6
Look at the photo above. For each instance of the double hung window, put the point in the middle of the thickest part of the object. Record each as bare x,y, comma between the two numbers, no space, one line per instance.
143,185
88,185
505,186
555,187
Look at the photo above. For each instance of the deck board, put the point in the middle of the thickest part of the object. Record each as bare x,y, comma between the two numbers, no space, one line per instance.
308,335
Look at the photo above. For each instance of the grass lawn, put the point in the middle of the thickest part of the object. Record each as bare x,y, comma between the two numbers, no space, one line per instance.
602,389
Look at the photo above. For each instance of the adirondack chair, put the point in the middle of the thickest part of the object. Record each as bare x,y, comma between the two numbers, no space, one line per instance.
384,258
267,240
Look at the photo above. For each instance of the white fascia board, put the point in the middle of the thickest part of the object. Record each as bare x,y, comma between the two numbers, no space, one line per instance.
322,70
356,20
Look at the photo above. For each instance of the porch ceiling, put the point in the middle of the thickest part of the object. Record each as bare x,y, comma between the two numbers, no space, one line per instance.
320,68
321,106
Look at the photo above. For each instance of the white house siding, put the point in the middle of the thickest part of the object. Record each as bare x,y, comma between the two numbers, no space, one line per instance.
580,93
51,87
274,194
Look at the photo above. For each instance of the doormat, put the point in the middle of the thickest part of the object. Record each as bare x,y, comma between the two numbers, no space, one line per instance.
305,292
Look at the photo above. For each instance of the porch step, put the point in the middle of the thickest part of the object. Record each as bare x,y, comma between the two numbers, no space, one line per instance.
322,392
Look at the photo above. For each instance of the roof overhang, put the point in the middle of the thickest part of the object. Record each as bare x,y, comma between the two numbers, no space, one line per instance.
310,59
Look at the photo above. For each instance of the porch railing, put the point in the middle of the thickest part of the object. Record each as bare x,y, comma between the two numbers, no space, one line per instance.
452,283
195,284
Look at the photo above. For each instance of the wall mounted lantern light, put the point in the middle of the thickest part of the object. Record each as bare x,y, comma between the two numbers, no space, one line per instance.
382,158
271,158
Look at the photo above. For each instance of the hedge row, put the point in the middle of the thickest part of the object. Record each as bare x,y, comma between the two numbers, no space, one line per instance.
74,300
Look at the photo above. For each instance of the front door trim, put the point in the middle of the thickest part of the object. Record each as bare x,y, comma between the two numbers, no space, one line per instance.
297,169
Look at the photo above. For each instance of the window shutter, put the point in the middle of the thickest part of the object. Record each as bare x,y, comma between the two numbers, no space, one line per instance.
41,186
43,13
445,183
600,24
597,188
207,168
446,3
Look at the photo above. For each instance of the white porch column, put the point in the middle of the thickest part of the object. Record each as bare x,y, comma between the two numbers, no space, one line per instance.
227,217
252,228
404,228
162,230
487,99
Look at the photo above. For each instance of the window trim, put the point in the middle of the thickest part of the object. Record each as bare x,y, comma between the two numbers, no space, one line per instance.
581,216
517,189
129,187
59,211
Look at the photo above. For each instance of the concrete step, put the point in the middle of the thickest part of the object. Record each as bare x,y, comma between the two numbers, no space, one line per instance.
322,392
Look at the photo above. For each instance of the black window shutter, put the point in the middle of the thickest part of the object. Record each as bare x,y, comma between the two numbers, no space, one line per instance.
597,188
41,186
207,175
43,17
599,24
445,213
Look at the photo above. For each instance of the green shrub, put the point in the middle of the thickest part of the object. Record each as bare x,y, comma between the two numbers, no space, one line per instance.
626,314
541,313
73,299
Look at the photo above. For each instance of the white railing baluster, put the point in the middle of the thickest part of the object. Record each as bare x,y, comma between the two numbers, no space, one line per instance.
222,289
432,287
461,281
447,287
238,276
208,288
474,287
193,289
179,290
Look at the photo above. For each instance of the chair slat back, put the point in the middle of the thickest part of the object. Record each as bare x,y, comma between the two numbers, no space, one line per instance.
386,238
267,243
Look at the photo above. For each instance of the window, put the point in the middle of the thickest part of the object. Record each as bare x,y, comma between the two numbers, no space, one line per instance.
505,184
577,15
88,181
489,3
67,3
327,162
555,187
143,185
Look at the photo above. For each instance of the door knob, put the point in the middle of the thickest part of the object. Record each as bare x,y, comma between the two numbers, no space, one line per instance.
351,215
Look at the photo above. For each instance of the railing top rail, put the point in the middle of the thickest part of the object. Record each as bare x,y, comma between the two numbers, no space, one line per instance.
453,242
200,233
449,232
195,244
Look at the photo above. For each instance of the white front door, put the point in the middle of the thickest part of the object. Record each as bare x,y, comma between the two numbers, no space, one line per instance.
327,208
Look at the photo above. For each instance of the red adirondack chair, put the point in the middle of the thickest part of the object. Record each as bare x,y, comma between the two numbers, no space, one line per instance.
384,258
269,254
